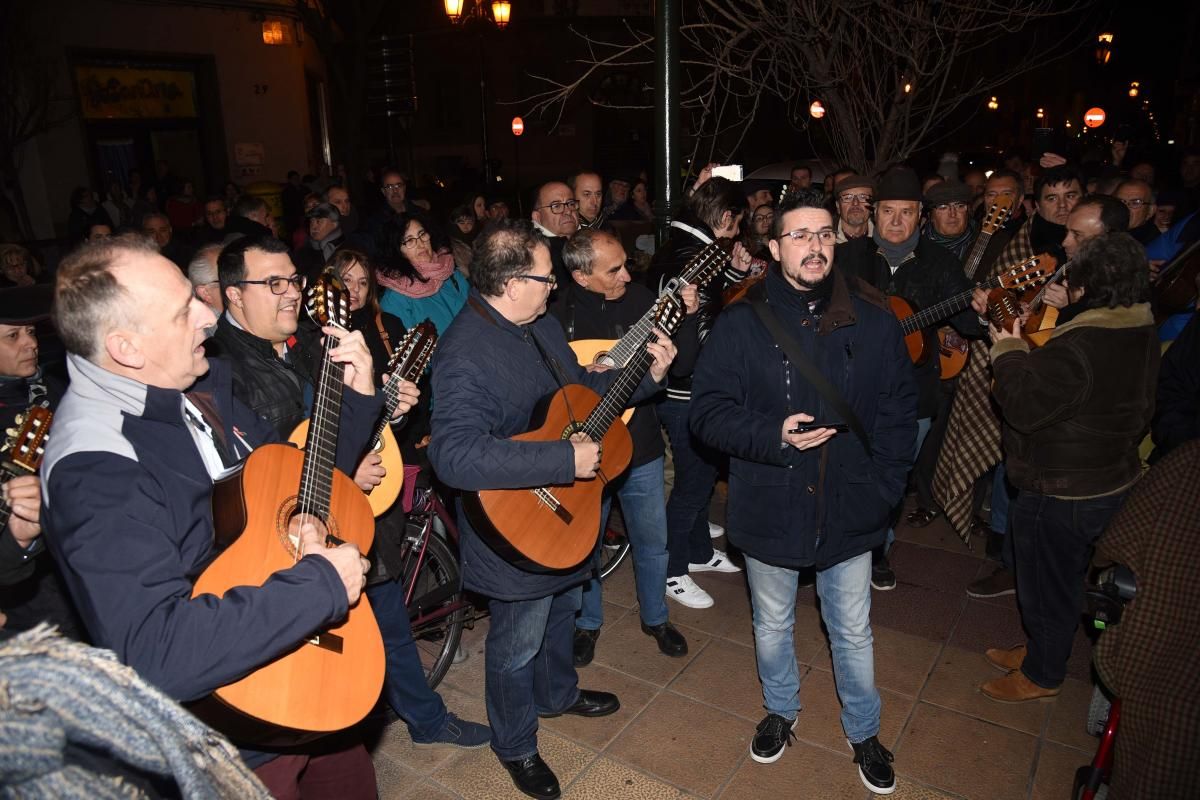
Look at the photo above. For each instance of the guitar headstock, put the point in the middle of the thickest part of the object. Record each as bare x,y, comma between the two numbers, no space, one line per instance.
668,314
997,214
327,301
1003,310
414,352
26,444
705,265
1030,273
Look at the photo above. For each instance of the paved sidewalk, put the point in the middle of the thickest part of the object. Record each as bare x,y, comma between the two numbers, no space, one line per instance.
685,725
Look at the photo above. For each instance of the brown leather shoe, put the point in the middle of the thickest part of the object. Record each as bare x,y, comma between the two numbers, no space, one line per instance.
1016,688
1006,659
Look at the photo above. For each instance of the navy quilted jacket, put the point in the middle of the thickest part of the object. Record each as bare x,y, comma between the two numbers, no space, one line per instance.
487,377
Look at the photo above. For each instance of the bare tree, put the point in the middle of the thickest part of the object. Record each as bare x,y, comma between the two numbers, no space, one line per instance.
30,100
890,73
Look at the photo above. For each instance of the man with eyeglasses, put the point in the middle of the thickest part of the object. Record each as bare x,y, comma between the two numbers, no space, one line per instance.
496,361
1138,197
853,195
802,494
896,260
555,216
950,224
393,185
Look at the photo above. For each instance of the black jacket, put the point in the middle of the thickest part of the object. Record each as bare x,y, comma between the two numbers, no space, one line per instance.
1177,415
245,226
277,389
930,275
820,506
587,315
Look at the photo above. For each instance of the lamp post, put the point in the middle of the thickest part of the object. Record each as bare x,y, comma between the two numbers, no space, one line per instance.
477,13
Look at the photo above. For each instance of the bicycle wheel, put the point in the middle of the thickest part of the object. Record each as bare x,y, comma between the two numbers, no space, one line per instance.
436,609
613,551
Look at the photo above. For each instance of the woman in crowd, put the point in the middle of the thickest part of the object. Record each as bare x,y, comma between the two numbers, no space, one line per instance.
18,267
637,207
464,227
184,210
419,282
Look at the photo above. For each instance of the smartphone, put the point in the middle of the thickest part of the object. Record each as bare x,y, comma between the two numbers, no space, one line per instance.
808,427
732,172
1043,142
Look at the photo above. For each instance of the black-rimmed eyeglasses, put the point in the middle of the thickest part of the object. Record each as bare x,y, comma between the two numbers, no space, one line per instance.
549,280
277,284
559,206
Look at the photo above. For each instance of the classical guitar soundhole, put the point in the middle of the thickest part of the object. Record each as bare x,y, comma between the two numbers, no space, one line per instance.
574,427
283,517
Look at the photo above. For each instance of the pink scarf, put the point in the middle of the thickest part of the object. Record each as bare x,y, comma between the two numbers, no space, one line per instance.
434,272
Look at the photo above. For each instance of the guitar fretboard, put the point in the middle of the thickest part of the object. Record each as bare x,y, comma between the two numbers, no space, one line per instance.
320,449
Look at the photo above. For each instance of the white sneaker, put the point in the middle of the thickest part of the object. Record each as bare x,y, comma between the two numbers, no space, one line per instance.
719,563
715,531
683,590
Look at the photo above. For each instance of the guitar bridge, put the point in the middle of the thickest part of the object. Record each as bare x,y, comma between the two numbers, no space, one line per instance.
327,641
547,498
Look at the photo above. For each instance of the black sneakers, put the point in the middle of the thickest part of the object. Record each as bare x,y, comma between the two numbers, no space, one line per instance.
874,766
771,737
882,577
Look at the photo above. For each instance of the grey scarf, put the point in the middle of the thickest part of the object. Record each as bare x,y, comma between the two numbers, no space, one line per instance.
895,254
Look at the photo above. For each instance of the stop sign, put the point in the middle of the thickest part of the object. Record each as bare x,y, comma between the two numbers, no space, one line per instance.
1094,117
518,126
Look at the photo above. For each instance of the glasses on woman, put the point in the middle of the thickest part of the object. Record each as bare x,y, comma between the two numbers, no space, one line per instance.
411,241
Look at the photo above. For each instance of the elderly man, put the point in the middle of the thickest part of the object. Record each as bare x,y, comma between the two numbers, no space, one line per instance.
801,177
950,224
324,238
589,193
496,361
800,492
1138,197
853,195
146,426
202,272
393,185
896,260
251,217
555,216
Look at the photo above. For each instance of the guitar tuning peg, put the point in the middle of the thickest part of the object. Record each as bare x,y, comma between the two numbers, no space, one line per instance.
20,419
10,432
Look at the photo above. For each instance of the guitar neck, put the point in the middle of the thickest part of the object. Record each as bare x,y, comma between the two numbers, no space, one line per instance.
1039,299
7,473
948,307
320,449
617,397
976,254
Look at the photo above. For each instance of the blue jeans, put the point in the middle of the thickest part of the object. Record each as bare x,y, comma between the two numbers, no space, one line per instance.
923,426
688,540
1002,494
644,508
1052,540
528,668
404,683
845,593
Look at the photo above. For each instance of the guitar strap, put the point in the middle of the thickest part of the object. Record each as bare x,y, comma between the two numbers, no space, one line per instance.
387,342
809,371
552,365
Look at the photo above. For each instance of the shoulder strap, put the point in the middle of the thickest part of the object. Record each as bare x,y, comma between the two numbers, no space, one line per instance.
387,342
809,371
556,371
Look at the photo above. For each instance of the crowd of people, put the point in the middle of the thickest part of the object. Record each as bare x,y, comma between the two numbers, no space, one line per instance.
188,349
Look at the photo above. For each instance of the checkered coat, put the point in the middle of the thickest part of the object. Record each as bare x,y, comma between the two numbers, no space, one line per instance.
1149,659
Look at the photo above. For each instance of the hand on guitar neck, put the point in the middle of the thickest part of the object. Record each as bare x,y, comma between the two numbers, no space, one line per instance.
23,494
350,565
407,395
663,353
351,351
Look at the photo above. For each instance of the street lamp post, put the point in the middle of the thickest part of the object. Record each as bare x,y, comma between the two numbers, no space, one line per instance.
501,11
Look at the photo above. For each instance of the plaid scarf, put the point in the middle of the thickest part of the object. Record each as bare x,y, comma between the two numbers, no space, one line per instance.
972,443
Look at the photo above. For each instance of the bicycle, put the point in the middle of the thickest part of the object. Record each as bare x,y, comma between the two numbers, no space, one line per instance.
432,583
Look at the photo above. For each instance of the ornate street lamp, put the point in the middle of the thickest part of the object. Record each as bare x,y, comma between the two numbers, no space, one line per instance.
459,13
1104,44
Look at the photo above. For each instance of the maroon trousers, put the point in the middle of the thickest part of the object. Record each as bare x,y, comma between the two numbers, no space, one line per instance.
346,774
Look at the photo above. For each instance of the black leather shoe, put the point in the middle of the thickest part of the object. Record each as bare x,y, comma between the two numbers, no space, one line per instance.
590,704
533,777
584,647
670,641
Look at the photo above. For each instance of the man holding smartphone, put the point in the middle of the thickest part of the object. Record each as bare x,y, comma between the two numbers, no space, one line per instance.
800,498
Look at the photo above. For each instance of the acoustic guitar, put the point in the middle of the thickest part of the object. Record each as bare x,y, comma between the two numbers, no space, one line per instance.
953,348
615,353
407,363
1174,290
555,528
913,323
24,449
1004,309
333,679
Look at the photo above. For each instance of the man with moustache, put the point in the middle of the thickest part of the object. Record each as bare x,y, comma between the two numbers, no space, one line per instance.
589,193
215,216
146,425
815,497
853,195
897,261
555,217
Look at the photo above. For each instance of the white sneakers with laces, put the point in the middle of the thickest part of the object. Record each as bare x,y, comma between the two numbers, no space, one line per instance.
718,563
683,590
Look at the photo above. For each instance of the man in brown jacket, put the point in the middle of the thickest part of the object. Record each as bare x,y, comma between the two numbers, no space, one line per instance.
1074,412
